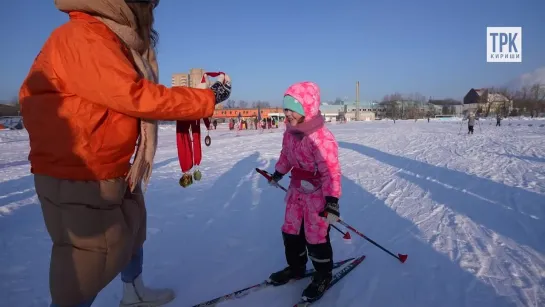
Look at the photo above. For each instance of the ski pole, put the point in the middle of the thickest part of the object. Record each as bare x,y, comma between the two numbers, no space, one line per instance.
461,124
346,235
400,257
267,175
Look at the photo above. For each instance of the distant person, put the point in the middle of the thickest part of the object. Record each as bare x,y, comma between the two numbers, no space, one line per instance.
231,124
91,93
310,151
470,123
215,123
498,120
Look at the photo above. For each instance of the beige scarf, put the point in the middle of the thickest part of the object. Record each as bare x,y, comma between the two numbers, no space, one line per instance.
120,19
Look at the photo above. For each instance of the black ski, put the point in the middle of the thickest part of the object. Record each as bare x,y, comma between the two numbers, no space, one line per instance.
243,292
338,276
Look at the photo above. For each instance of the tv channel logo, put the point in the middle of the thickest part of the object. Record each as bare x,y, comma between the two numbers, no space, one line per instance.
504,44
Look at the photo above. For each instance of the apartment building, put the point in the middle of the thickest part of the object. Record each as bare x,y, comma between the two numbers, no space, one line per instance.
191,79
180,79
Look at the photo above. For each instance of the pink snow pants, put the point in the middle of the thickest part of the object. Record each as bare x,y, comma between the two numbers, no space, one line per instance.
302,207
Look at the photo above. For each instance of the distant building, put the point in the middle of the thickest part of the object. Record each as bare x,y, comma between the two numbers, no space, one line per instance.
331,112
481,101
364,106
445,107
404,109
275,113
191,79
368,110
195,76
180,79
363,115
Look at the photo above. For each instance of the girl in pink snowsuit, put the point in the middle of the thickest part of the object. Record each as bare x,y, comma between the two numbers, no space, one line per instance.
310,152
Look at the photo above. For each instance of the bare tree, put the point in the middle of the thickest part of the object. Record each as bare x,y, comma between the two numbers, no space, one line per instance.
391,109
530,99
229,104
242,104
261,104
431,110
537,95
393,105
412,109
505,105
392,97
417,97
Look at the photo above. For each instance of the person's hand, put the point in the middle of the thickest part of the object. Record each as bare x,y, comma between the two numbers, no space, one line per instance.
222,88
277,176
331,210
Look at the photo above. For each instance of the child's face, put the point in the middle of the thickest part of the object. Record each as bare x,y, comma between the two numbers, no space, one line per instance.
293,118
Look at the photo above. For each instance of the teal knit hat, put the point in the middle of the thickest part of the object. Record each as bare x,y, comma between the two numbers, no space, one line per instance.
292,104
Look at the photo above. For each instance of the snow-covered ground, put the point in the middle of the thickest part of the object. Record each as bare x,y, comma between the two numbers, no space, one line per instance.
468,210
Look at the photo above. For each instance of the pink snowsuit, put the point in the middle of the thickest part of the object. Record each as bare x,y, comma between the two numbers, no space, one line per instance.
316,153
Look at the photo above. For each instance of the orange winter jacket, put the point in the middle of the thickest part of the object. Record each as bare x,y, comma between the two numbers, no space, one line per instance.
82,100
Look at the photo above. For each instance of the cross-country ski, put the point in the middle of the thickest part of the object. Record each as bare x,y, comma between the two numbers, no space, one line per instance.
243,292
336,278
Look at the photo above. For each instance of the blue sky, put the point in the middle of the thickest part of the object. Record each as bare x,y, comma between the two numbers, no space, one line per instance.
437,48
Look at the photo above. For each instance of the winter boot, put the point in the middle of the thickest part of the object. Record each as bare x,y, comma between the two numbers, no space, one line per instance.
135,294
296,257
317,287
322,259
285,275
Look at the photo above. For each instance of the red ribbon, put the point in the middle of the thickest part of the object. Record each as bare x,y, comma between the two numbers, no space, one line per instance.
188,137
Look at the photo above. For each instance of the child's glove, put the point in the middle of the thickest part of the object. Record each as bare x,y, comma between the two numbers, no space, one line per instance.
277,176
331,210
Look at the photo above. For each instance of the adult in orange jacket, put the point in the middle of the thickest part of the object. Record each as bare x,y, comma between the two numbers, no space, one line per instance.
90,98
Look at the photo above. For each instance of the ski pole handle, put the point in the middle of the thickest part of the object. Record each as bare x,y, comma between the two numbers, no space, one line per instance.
268,176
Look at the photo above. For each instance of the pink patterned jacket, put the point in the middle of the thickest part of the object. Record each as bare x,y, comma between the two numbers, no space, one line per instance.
315,152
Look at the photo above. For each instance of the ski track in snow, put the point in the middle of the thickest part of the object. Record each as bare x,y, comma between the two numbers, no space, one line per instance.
468,210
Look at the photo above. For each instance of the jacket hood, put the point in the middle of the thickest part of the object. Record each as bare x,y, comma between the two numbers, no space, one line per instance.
114,10
308,94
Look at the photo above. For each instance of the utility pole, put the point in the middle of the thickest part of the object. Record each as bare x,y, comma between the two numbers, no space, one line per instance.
357,100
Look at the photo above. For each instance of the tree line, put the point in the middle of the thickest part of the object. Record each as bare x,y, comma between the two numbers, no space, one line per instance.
528,100
413,105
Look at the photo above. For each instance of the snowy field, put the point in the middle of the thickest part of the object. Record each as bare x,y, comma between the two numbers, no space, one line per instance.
468,210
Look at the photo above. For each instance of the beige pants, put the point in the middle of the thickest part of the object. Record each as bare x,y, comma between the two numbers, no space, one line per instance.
95,227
